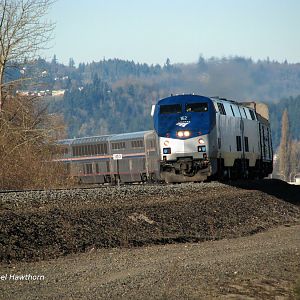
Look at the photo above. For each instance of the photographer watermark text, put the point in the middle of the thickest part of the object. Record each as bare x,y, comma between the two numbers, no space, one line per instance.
21,277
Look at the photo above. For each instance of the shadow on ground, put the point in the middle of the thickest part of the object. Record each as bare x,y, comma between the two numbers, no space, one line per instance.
274,187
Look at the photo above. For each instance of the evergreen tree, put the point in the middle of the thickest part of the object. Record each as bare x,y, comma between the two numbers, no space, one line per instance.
54,60
71,62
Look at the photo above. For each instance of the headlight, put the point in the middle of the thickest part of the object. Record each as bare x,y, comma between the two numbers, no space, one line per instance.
180,133
184,133
201,141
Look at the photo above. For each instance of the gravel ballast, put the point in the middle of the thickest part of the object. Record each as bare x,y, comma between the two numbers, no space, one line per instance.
36,225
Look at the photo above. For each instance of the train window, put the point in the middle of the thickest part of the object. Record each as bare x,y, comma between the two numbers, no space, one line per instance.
118,146
170,109
137,144
232,110
89,150
74,151
88,169
97,168
100,149
245,113
196,107
221,108
238,143
246,144
107,166
78,150
94,149
252,114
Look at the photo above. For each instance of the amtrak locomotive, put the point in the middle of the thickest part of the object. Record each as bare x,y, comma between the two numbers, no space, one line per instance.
195,138
201,137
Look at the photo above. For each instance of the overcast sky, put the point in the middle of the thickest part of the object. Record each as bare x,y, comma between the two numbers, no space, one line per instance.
153,30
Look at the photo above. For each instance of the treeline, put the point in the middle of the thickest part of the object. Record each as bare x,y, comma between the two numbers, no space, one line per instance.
236,77
113,96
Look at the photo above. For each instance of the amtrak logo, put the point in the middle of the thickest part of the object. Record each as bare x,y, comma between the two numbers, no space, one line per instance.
183,121
183,124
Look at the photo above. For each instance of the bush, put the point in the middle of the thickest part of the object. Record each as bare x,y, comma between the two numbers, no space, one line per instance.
27,144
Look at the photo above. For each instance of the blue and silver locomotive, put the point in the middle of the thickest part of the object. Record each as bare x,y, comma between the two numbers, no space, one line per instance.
205,137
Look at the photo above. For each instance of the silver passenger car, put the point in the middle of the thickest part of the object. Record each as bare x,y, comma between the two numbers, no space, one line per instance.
126,158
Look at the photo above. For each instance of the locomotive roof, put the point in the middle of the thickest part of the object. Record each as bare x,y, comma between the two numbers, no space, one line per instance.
181,98
259,107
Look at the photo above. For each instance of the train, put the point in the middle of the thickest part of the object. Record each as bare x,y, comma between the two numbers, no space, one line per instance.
195,138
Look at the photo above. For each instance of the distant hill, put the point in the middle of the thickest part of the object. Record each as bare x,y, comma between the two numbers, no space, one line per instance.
115,95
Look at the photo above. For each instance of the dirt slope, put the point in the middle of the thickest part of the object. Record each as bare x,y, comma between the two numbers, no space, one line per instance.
261,266
43,225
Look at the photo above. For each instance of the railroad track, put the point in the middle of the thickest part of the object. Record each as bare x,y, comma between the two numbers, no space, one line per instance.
89,187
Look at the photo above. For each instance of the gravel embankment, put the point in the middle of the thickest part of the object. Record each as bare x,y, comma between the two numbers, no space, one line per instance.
47,224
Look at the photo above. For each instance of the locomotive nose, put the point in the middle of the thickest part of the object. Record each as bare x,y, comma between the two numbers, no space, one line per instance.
172,149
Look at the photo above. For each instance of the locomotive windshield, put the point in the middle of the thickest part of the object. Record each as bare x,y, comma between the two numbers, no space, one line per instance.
196,107
170,109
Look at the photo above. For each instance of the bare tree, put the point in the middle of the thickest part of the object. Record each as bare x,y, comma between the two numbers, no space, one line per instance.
295,159
27,145
23,32
285,147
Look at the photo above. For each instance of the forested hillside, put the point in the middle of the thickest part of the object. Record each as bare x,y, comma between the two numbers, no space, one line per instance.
114,95
292,104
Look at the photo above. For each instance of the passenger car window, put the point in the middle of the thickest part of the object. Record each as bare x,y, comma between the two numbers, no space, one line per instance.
170,109
196,107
